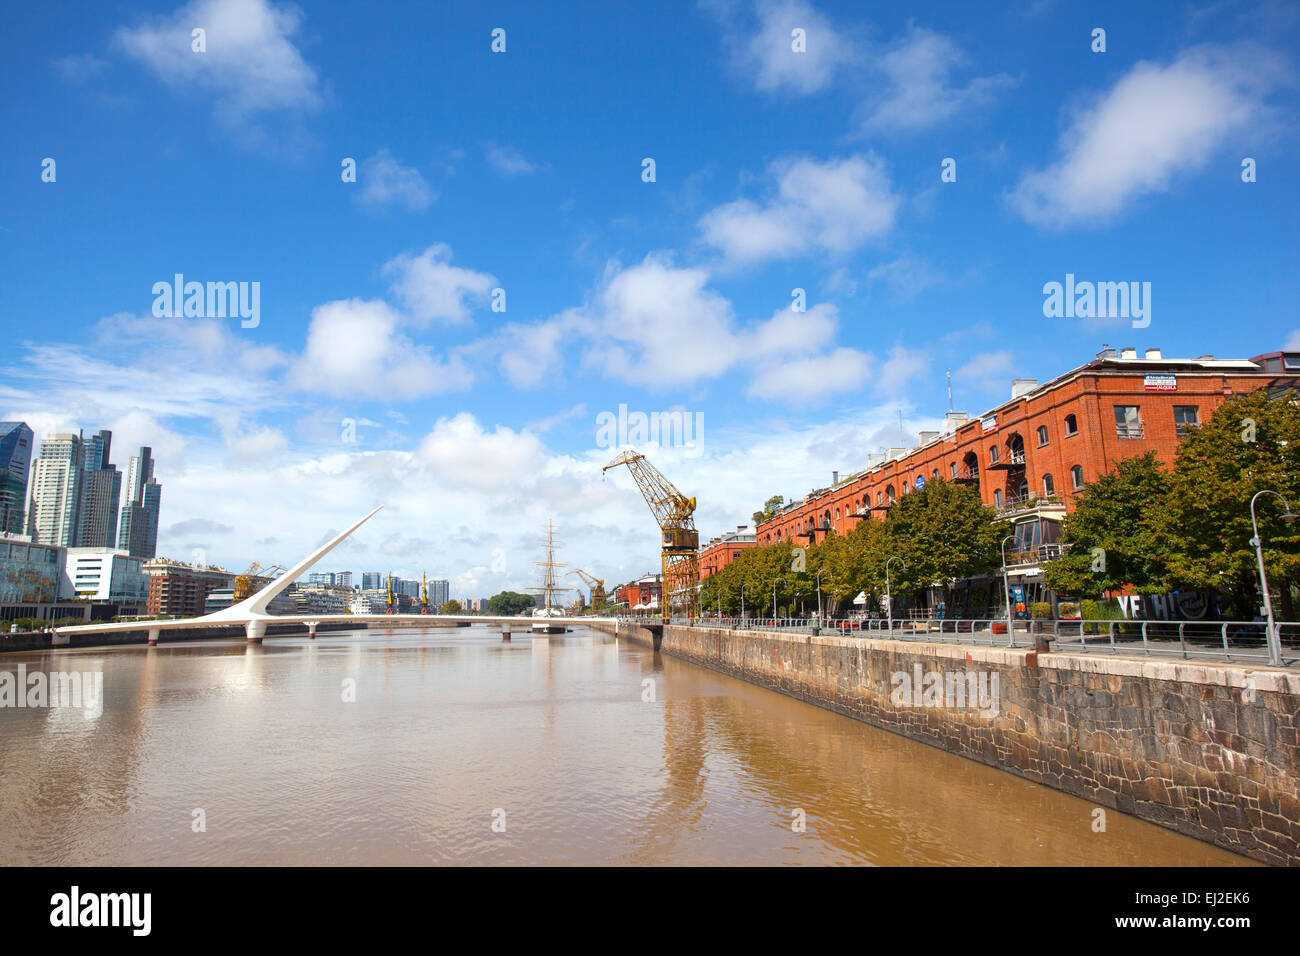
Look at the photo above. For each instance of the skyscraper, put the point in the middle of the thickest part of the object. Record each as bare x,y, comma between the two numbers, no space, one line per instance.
15,461
101,487
54,496
138,527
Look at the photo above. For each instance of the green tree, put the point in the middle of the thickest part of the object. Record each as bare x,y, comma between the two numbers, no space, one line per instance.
943,532
509,603
451,607
1250,443
1114,533
770,507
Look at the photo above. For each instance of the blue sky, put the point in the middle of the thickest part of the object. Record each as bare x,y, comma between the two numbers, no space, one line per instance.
522,171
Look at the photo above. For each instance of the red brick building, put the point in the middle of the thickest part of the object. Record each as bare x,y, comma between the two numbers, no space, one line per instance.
724,549
643,592
1030,456
177,589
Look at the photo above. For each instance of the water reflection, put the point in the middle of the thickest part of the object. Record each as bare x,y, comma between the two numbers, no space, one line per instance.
443,729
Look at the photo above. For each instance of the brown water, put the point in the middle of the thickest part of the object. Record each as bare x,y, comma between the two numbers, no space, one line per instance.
450,728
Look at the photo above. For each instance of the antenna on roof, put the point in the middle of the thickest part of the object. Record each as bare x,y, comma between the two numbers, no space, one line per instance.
949,389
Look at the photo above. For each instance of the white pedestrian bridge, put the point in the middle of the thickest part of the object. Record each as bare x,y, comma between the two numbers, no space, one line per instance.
250,614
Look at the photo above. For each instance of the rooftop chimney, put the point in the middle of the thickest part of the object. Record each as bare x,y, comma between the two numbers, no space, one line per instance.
1153,355
835,478
953,420
1106,353
897,452
1128,352
1021,386
927,437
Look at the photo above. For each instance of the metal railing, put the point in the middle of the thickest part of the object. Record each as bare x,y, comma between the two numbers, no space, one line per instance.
1128,430
1228,641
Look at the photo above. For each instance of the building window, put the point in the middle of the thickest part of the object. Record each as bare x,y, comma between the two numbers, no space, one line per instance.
905,488
880,499
1049,487
1128,421
993,455
1071,425
936,473
997,497
889,493
954,470
1185,417
1042,435
1076,477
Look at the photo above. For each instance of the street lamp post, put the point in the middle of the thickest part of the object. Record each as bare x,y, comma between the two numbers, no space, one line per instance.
1274,640
817,628
1006,584
774,580
889,594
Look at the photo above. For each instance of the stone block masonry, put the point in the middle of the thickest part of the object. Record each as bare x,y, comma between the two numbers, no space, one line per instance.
1207,749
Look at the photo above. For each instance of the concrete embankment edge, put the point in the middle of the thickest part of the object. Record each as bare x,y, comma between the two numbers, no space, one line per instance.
1209,750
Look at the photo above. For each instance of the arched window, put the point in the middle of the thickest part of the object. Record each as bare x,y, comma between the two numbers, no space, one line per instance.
1071,425
972,465
1076,477
997,497
880,499
993,454
954,469
837,514
1042,435
936,473
889,494
1048,487
905,488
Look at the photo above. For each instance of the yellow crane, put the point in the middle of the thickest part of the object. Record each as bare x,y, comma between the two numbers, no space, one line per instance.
252,578
597,586
673,512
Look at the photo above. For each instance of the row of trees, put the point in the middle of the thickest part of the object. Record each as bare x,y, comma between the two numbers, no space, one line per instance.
1154,528
941,533
1189,527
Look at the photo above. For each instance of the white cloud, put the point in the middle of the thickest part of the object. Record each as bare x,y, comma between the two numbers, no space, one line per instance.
459,451
647,312
529,355
834,207
987,369
250,65
1157,123
919,91
805,381
907,276
79,67
508,161
433,290
386,181
1293,343
356,348
761,49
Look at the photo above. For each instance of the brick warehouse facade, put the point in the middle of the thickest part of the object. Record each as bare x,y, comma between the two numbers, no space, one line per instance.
177,589
724,549
1030,456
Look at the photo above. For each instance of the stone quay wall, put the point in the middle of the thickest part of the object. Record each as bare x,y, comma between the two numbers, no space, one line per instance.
1209,750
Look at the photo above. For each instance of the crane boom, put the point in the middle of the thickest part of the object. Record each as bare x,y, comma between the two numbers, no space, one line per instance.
674,513
597,586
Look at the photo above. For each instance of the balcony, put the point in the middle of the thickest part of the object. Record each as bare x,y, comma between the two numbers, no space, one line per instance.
1128,430
1035,556
1021,505
1014,459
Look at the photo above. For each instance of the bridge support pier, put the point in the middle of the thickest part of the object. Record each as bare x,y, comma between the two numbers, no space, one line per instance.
505,635
153,636
311,629
256,630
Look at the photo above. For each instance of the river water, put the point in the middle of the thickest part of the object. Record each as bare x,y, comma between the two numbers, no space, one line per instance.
450,746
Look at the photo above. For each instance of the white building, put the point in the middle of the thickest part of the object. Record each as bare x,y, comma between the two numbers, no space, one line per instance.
104,574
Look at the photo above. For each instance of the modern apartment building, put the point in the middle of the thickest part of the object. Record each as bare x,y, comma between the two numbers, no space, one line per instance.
101,488
177,589
105,575
138,524
15,464
54,494
29,572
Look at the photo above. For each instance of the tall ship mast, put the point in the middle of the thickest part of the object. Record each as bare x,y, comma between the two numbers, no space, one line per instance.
549,586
